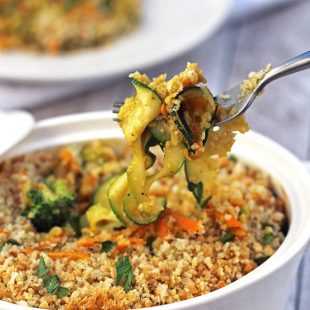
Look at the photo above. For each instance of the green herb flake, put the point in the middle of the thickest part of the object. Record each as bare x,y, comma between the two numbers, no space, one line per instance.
260,260
74,222
42,268
105,6
70,4
1,246
52,284
228,236
107,246
233,158
12,241
205,202
124,274
149,244
268,238
62,292
196,189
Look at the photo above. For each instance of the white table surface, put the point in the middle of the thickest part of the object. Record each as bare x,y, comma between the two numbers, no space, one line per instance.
241,45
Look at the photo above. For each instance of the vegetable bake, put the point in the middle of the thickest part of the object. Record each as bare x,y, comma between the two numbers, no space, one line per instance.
167,215
65,25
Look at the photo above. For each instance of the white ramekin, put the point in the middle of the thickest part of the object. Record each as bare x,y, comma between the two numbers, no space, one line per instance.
268,286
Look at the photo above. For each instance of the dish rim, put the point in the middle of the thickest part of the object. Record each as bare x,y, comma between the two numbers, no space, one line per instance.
44,72
88,122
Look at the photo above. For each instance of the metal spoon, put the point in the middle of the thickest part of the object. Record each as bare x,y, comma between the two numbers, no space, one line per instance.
14,126
230,99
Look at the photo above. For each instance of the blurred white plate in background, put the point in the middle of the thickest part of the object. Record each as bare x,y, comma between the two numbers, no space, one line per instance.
168,28
14,126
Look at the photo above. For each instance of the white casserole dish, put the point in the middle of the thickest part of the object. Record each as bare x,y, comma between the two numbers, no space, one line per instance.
268,286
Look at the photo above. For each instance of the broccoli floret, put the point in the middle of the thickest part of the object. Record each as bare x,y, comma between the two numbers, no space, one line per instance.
51,203
96,152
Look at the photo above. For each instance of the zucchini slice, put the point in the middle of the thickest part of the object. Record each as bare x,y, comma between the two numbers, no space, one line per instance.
160,130
116,195
173,161
101,194
136,173
195,114
200,175
148,141
138,111
99,215
145,213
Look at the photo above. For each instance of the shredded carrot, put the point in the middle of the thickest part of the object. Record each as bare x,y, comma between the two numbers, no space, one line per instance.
239,232
163,110
88,242
46,245
215,214
237,202
88,184
185,223
121,247
59,254
67,254
24,265
136,241
141,231
233,223
28,251
68,160
53,46
161,226
5,231
249,267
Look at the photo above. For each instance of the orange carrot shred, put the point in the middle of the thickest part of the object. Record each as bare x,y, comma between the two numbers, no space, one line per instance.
59,254
88,242
163,110
233,223
140,232
161,226
67,254
121,247
215,214
185,223
136,241
239,232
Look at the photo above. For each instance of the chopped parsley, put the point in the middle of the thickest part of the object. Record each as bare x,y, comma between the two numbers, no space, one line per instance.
42,268
51,283
205,202
9,241
70,4
107,246
74,222
12,241
196,189
105,5
268,238
228,236
149,243
124,273
62,291
260,260
233,158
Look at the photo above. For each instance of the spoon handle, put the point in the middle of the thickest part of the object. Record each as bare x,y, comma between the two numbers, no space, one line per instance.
298,63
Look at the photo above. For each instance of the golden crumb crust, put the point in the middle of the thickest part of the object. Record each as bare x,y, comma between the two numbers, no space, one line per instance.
193,251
